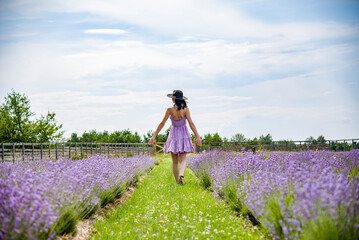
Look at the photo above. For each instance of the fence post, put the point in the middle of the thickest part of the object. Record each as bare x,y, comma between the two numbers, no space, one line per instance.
56,151
329,146
13,152
41,151
70,150
49,151
32,151
91,150
81,150
3,152
23,151
108,149
75,148
344,146
154,147
100,149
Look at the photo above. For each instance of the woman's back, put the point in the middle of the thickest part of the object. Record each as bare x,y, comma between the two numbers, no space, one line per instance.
177,114
178,117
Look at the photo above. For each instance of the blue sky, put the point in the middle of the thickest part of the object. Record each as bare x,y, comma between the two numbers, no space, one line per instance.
288,68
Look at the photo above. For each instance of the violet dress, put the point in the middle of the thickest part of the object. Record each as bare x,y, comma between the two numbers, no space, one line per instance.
179,139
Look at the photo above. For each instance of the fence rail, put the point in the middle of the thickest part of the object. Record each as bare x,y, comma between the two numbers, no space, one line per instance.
332,145
21,151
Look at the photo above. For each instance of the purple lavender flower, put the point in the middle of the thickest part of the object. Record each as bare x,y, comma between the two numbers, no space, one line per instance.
35,194
288,192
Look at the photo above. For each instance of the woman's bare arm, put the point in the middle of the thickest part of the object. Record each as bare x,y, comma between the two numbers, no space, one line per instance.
160,126
192,126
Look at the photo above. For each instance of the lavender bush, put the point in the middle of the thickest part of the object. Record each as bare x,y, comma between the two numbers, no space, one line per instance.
41,199
306,195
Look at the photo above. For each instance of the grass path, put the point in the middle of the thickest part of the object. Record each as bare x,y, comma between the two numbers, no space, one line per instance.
162,209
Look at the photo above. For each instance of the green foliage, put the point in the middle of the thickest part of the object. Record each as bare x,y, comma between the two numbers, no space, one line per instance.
67,222
266,139
16,125
310,139
123,136
326,226
46,130
238,137
205,180
321,139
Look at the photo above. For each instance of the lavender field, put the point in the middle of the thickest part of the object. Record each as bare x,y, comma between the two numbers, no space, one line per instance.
305,195
42,199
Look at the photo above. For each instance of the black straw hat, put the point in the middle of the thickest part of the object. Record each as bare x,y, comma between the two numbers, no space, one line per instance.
177,95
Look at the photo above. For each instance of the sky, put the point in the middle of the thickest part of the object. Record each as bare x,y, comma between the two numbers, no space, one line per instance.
288,68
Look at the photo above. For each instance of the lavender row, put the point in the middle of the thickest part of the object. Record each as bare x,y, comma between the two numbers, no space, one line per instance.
41,199
306,195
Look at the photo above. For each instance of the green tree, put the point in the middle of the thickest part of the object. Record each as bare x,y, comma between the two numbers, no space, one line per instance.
216,138
16,125
90,136
266,139
147,136
207,138
238,137
74,138
15,118
321,139
310,139
46,129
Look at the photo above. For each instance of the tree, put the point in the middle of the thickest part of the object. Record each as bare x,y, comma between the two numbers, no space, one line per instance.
147,136
238,137
15,118
16,125
321,139
74,138
216,138
310,139
207,138
46,129
266,139
90,136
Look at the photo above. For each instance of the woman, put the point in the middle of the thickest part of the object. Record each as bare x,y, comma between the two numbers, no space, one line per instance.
179,141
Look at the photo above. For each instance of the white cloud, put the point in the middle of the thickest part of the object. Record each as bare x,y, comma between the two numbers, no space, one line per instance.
105,31
186,18
239,73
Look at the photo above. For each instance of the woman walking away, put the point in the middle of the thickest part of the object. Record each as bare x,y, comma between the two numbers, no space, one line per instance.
179,140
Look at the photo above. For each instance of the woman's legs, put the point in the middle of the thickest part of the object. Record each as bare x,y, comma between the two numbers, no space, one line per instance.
182,161
175,165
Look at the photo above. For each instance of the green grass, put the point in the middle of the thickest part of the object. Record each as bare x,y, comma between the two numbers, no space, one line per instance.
162,209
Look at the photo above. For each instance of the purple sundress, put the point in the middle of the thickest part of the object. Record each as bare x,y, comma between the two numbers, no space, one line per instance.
179,139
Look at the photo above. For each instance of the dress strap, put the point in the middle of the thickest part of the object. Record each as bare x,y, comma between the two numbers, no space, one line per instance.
171,112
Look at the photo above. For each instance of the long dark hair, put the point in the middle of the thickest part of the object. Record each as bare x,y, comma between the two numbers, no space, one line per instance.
181,104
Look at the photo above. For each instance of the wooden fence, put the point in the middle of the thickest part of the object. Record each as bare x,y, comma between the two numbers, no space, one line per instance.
332,145
31,151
